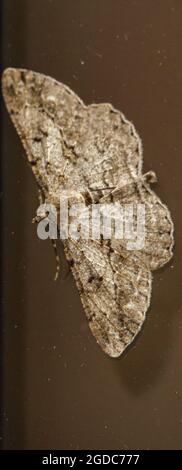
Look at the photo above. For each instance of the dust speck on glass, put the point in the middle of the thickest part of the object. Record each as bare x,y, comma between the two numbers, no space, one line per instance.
95,151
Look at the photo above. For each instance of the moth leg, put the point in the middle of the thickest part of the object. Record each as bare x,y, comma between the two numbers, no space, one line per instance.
37,219
54,244
148,178
40,196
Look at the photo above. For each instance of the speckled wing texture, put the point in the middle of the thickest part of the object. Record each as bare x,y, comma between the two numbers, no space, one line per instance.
95,151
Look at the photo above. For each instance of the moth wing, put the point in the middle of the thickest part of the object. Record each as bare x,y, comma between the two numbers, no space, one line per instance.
115,291
107,149
101,148
40,107
158,240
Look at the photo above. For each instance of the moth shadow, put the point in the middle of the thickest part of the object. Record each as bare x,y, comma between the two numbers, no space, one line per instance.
146,359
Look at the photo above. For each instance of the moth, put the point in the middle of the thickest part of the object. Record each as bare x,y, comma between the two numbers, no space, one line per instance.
97,152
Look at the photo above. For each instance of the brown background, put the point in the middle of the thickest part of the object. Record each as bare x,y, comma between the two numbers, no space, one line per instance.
59,389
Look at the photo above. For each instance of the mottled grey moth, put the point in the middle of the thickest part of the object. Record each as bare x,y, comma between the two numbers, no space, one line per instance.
95,151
